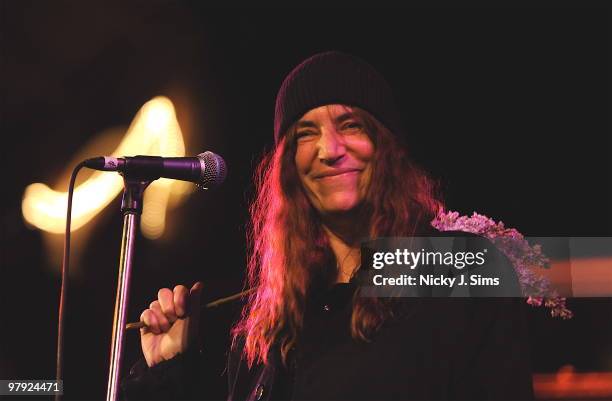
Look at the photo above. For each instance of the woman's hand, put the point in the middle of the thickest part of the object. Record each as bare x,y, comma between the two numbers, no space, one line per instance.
171,323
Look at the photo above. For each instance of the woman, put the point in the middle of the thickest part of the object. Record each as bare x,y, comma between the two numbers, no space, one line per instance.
338,174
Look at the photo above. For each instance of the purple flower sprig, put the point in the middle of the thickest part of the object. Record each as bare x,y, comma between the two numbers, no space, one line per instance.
522,255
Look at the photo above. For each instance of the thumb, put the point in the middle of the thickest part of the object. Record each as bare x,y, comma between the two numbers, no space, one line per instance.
195,295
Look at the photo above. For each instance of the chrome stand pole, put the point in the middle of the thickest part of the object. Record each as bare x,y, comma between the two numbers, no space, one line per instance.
131,206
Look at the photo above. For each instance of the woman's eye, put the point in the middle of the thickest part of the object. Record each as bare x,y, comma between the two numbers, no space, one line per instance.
303,134
352,125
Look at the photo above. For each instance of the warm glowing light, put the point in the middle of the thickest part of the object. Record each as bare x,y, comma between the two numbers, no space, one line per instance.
154,131
568,384
153,220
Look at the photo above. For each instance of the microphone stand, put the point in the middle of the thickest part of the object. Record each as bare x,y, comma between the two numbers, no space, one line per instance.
131,207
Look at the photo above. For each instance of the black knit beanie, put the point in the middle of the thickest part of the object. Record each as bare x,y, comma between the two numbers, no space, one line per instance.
334,78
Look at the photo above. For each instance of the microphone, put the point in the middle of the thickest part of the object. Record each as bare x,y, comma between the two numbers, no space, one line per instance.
206,169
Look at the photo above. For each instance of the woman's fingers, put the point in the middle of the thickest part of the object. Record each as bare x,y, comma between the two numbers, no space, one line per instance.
166,300
162,320
170,323
180,294
149,319
171,305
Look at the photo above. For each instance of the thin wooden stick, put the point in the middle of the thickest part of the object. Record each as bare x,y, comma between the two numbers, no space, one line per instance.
213,304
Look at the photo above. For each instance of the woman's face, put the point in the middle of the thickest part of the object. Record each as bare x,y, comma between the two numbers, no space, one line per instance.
333,158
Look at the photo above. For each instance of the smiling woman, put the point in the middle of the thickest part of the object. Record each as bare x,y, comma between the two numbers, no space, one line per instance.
333,158
339,174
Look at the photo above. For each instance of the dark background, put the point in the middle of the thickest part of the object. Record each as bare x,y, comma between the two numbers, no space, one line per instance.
508,107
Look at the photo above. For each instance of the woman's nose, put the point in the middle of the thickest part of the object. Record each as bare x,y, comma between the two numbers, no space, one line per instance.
331,146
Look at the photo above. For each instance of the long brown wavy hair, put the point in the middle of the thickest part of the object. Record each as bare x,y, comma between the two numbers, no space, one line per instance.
289,253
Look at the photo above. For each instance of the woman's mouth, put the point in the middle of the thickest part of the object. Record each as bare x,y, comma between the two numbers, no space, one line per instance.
337,174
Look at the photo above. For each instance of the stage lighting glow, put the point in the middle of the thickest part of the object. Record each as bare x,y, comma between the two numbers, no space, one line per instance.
153,220
154,131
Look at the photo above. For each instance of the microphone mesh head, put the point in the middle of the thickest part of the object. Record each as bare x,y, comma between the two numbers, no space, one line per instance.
213,170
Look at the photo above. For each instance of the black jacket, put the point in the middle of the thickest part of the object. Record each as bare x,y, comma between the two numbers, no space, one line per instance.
436,348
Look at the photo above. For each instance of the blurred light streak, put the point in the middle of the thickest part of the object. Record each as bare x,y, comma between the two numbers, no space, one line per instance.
566,383
580,276
154,131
